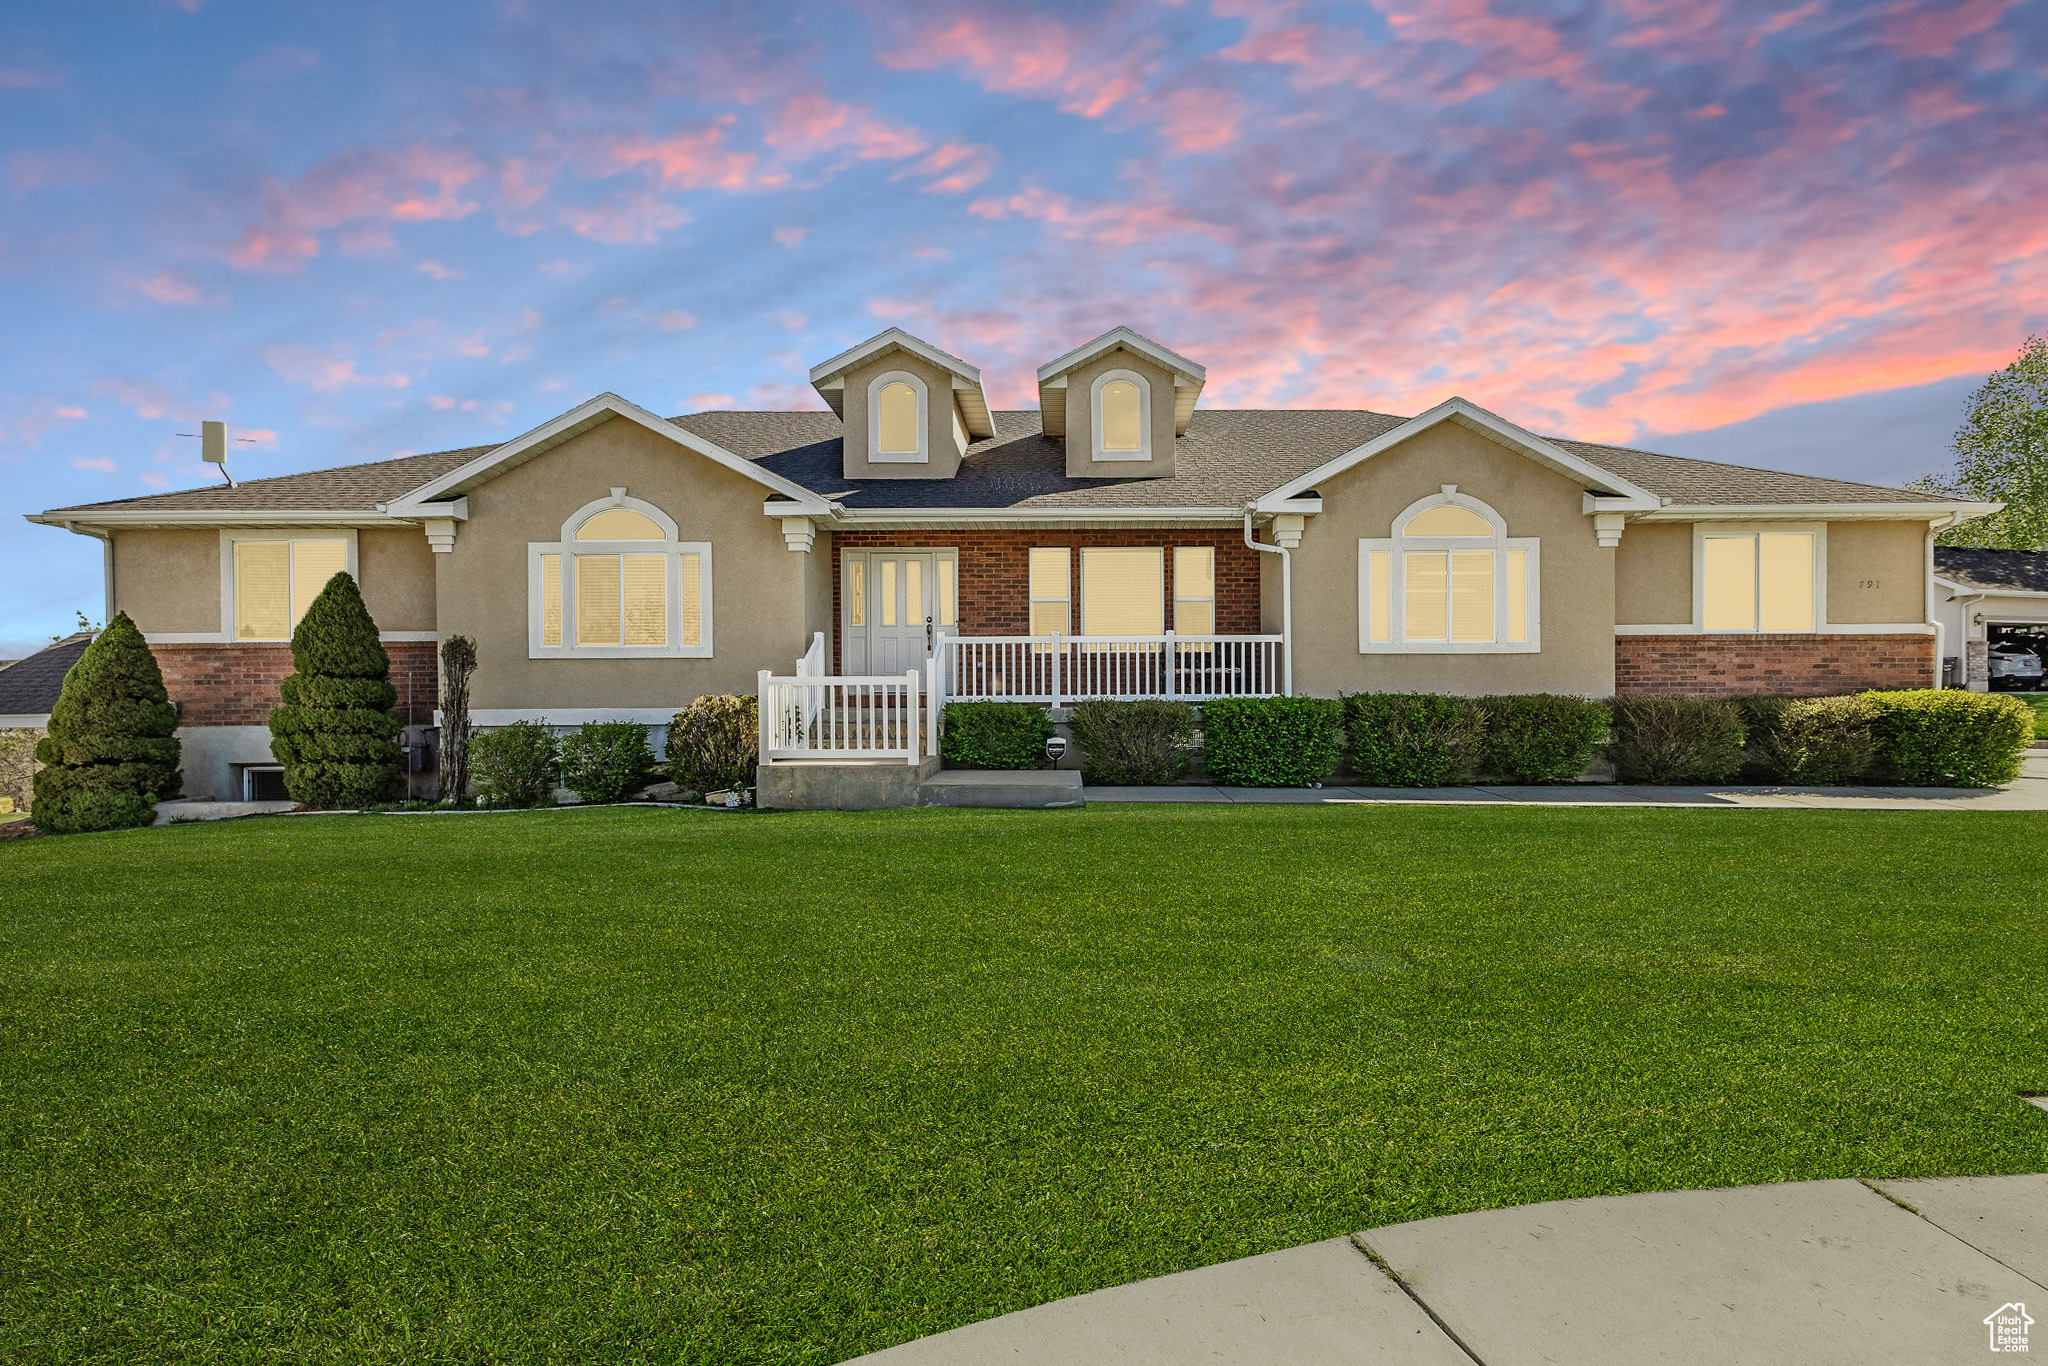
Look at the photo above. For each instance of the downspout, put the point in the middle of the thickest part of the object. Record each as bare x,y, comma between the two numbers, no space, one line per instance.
1286,602
106,540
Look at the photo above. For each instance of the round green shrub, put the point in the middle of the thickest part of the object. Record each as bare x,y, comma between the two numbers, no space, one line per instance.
1678,740
994,734
1270,741
333,729
603,761
714,744
1410,739
1928,737
111,751
1539,738
515,765
1144,742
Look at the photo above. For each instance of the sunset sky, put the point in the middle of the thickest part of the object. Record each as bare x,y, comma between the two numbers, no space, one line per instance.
1793,235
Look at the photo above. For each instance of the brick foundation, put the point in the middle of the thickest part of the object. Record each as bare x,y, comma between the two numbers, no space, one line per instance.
1743,666
237,685
994,591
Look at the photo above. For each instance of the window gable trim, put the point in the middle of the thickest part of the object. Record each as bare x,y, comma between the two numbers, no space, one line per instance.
619,499
923,454
1144,387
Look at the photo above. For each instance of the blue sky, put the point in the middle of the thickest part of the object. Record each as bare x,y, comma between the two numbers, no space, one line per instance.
1789,236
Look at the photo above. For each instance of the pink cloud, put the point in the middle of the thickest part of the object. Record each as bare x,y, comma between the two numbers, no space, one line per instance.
957,166
1198,120
675,320
691,160
323,371
789,235
1017,52
173,287
149,401
434,270
367,189
22,77
699,402
635,218
104,464
1918,28
808,124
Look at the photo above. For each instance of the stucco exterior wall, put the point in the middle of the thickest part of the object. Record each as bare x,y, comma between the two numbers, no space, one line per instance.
1080,438
397,577
1877,572
1576,606
759,586
1653,574
168,580
945,452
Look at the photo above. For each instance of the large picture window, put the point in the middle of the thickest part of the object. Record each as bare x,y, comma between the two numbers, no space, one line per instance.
275,579
619,584
1123,591
1449,580
1758,580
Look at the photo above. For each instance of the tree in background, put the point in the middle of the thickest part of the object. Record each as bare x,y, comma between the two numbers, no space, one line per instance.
334,731
2002,456
112,749
458,666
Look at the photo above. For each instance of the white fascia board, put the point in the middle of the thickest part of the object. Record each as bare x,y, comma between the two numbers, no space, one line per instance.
1231,516
882,341
1818,512
456,509
1124,337
212,517
1630,497
581,418
1971,590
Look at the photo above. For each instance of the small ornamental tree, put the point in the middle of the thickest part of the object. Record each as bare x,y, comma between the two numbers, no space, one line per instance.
112,751
458,665
334,731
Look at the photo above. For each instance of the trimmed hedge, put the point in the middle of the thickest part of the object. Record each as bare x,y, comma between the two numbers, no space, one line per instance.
994,734
1403,739
603,761
1662,739
1540,738
1270,741
714,744
1929,737
515,765
333,729
111,751
1146,742
1811,741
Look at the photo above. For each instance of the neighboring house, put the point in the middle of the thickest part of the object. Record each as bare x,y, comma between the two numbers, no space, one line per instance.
1987,598
614,564
30,687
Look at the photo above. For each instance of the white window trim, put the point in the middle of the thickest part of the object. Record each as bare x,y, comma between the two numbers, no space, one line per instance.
1144,451
923,454
1499,543
569,546
227,570
1078,569
1818,530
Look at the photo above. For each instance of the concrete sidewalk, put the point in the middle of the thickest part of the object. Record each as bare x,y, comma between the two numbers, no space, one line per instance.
2028,793
1814,1273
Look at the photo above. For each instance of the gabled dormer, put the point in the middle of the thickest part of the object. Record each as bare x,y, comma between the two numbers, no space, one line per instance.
1119,402
908,409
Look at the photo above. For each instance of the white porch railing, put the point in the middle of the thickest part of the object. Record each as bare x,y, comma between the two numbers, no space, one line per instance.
864,717
1059,668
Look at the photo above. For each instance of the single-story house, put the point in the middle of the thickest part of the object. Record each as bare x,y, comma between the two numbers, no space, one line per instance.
1119,540
30,687
1989,598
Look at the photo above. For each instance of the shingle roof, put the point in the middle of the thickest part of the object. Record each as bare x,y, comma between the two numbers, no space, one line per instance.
2021,571
30,686
1228,458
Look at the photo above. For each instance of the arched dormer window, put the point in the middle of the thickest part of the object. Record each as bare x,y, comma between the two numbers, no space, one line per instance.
1450,580
899,420
619,584
1123,416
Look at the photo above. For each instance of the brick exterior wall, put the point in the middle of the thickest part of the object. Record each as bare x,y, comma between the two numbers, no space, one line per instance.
237,685
994,589
1742,666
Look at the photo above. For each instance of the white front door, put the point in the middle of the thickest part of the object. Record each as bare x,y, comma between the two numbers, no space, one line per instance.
902,610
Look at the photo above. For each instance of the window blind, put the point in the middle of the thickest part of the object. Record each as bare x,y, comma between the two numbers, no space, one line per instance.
645,590
1049,587
313,564
1729,591
690,583
1194,590
597,599
551,599
1123,592
263,586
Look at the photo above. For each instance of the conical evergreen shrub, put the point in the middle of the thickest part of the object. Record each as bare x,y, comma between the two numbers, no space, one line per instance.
112,750
334,731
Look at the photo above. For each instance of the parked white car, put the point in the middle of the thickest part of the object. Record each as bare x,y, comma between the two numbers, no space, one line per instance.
2015,666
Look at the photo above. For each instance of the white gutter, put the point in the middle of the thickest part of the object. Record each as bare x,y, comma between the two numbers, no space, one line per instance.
1286,603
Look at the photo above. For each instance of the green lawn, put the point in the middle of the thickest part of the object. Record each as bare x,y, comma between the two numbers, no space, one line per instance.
2039,702
626,1085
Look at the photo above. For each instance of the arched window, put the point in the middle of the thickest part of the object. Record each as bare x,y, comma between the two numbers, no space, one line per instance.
1123,416
619,584
1449,580
898,419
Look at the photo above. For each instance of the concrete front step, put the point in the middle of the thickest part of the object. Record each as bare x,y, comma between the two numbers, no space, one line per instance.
1016,789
